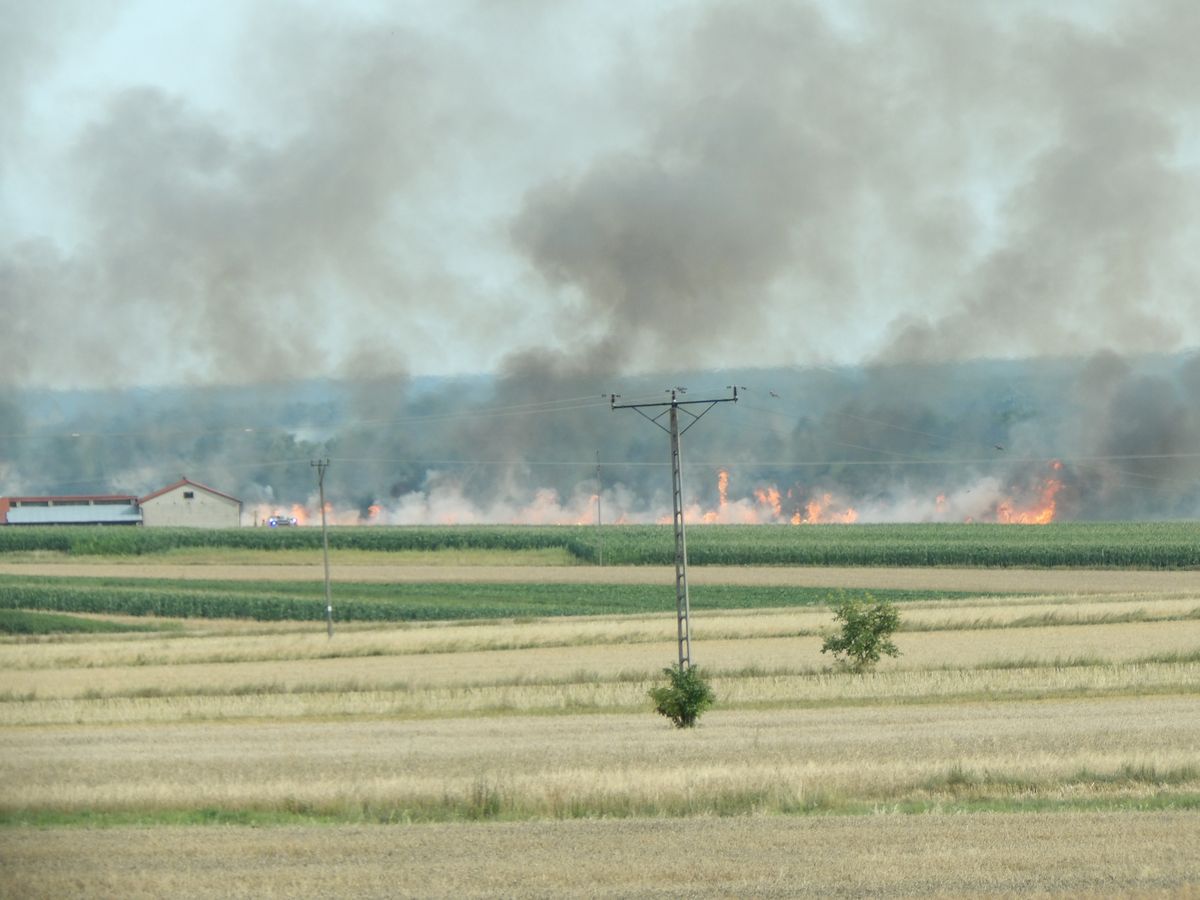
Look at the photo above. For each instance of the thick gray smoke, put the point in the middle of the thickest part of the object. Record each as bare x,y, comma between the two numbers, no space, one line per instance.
1103,438
573,199
963,180
678,186
220,257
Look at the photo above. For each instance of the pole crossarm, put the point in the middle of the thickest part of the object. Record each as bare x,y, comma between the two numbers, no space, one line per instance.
671,409
674,403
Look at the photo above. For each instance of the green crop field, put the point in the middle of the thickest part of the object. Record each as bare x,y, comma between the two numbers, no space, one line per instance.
305,601
23,622
1157,545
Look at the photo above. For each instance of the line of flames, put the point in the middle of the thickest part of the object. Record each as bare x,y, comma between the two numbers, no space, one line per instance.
769,506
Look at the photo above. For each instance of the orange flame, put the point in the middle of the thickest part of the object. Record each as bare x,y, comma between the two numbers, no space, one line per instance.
1040,513
819,511
714,515
586,517
770,497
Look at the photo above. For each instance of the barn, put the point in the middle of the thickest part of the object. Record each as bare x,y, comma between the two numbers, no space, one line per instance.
102,509
187,503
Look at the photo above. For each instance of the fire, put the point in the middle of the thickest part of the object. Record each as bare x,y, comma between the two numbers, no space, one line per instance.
765,506
585,515
818,511
984,498
712,516
1041,512
770,497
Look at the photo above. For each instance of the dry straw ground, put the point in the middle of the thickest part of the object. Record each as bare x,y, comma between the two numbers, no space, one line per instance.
1042,743
1077,855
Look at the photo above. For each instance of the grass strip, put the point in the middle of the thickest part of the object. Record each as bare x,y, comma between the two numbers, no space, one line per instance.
484,801
24,622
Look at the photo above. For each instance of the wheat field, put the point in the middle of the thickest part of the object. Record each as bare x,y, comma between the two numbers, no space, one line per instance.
1077,855
1042,742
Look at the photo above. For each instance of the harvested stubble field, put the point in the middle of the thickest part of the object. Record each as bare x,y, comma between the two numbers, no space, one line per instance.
1039,733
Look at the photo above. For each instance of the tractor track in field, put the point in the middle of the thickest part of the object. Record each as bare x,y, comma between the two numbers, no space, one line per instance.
1058,581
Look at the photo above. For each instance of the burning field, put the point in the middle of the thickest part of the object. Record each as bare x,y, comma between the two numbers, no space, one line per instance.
1032,502
1018,442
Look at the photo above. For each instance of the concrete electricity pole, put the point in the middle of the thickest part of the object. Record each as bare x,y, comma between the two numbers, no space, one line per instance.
599,521
672,409
321,465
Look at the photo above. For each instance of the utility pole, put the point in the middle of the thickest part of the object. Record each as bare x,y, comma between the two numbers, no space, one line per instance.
599,522
672,409
321,465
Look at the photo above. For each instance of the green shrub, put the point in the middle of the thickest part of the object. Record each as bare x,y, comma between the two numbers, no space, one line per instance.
865,634
684,697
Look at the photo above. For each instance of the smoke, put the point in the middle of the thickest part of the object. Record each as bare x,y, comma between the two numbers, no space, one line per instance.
682,186
945,180
1068,440
1091,246
221,256
583,201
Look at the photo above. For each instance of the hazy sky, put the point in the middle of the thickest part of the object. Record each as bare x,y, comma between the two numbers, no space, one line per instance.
227,192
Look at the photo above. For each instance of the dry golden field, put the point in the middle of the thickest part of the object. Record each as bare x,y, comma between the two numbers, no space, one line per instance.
1045,743
1070,854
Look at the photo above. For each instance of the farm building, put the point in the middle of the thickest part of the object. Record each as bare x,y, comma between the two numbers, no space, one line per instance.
184,503
109,509
187,503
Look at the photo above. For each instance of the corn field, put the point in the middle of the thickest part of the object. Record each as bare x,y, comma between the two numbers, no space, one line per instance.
304,601
1154,545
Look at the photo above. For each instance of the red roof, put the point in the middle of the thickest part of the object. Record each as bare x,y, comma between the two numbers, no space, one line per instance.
186,481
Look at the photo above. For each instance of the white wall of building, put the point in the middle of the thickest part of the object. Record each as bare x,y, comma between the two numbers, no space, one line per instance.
188,505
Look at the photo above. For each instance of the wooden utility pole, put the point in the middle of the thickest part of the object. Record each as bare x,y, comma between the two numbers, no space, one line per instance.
321,465
672,409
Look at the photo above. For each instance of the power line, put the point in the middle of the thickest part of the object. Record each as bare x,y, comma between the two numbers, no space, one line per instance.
567,404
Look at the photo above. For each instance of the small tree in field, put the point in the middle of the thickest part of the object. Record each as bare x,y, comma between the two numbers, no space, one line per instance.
865,634
684,697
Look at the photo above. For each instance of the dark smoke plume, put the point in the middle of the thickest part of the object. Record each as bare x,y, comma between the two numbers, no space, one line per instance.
981,217
931,442
965,180
733,182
